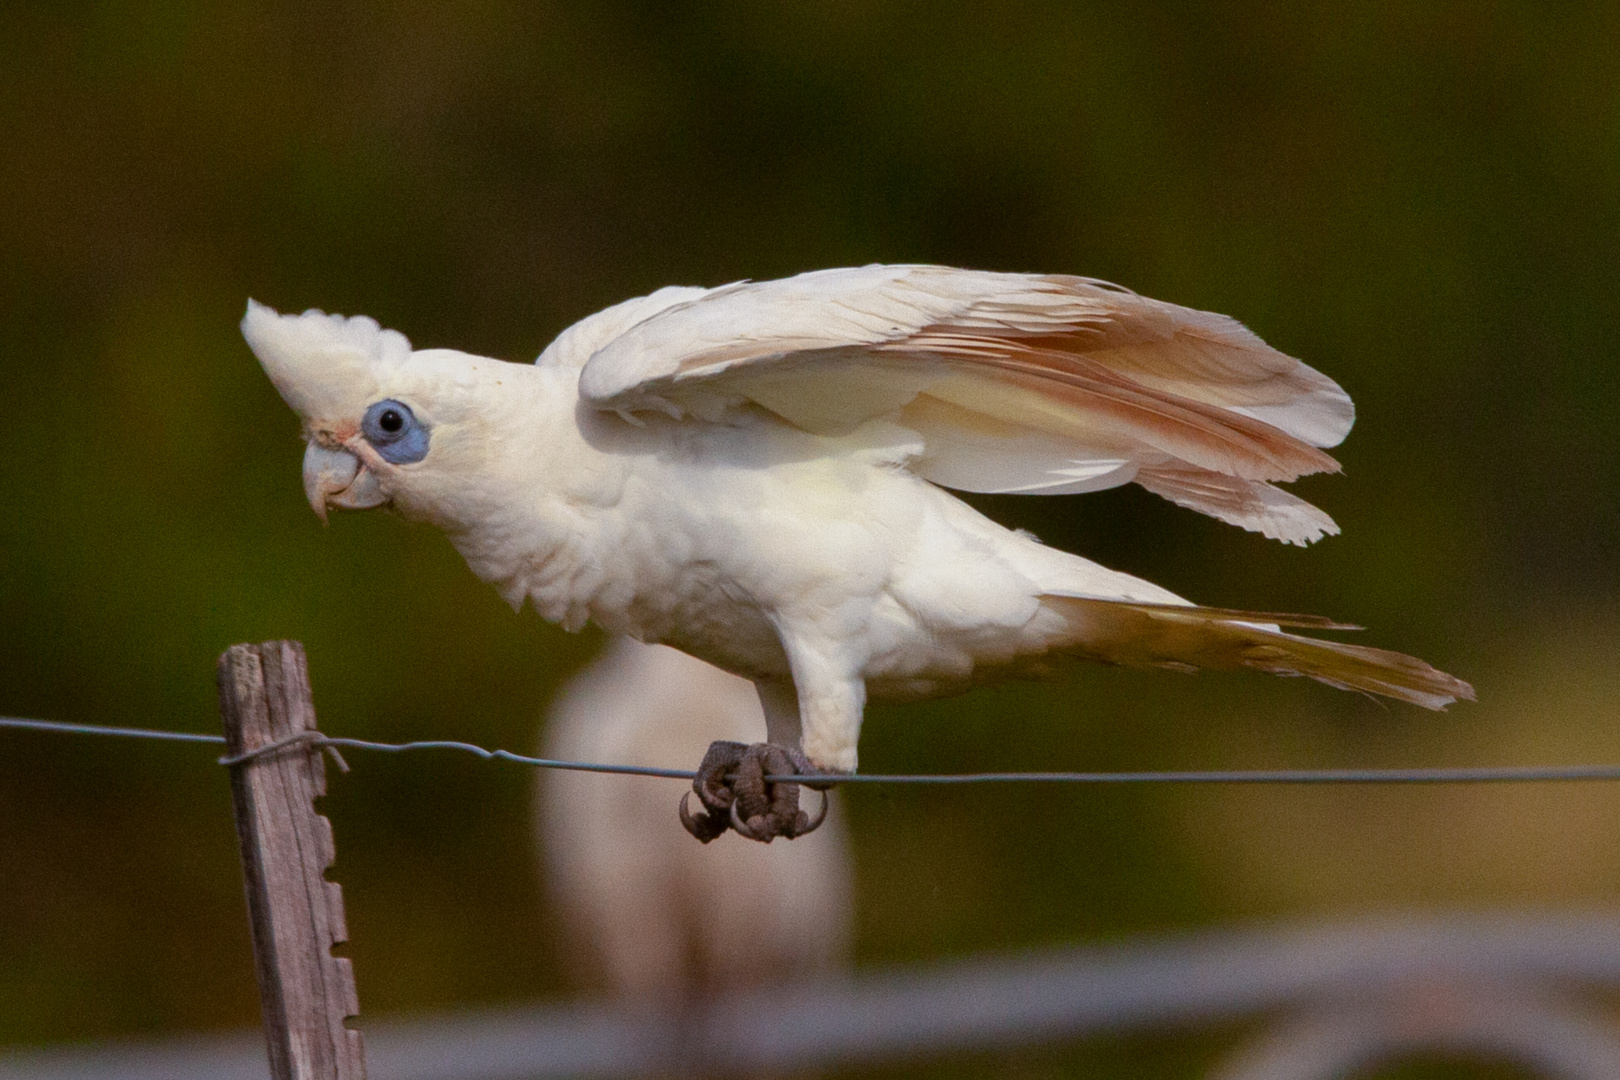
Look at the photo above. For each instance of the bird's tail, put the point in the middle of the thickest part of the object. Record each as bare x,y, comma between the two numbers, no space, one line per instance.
1189,638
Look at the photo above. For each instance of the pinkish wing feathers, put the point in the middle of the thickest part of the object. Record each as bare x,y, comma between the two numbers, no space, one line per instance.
1040,384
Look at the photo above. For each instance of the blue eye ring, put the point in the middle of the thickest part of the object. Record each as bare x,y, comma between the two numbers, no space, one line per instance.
394,431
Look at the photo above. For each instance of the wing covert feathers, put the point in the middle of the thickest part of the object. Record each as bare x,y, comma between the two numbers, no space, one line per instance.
1188,638
1016,383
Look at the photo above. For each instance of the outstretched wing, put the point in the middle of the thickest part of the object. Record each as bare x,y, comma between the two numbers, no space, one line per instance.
1040,384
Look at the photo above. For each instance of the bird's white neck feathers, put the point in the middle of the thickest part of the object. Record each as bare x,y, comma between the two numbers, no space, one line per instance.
495,427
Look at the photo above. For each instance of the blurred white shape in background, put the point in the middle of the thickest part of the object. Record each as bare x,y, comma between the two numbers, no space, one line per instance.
663,920
1361,1028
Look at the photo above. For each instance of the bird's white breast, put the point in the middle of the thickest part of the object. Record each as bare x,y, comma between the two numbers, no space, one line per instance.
721,539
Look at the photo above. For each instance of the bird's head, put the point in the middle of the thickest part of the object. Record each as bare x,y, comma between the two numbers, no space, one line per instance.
384,424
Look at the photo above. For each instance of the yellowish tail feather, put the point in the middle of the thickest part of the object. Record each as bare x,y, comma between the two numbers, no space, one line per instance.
1189,638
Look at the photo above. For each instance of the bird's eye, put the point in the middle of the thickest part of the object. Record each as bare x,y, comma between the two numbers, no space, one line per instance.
393,429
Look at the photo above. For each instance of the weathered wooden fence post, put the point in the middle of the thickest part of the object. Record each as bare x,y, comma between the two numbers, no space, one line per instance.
296,914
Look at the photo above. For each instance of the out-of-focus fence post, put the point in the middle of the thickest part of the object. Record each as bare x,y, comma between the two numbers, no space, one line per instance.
296,914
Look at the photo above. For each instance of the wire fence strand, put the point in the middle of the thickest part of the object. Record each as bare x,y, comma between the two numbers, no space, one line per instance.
1457,775
97,729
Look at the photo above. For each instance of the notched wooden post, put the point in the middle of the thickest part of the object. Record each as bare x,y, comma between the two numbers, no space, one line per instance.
296,914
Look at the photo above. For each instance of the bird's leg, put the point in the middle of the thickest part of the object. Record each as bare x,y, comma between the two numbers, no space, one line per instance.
731,782
779,701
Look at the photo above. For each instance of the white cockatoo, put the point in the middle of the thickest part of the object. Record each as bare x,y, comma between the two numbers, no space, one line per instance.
669,924
756,474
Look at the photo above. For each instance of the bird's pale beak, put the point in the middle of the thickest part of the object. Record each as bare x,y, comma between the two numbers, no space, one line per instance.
337,478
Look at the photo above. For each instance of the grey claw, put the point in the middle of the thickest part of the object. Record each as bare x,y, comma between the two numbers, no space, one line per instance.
820,815
704,828
742,827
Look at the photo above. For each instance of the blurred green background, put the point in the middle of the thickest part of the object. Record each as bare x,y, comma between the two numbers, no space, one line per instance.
1421,200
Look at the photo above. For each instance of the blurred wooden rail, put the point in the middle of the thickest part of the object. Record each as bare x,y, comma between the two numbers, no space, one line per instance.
982,1003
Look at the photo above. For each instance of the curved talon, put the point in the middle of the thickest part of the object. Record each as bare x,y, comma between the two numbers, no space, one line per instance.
811,827
742,827
705,827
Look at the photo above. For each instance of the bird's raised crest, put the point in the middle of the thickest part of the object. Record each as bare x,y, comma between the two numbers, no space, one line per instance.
320,363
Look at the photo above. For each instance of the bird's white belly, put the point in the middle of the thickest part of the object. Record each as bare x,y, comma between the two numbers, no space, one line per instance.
724,554
713,560
875,567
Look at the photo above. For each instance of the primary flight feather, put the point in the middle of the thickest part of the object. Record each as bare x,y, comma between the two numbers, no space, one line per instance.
755,474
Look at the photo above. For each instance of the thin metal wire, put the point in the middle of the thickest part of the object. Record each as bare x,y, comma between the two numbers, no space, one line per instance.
1466,775
314,739
519,759
95,729
327,742
1463,775
310,738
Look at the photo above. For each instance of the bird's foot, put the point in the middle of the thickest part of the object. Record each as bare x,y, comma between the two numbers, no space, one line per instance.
731,785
